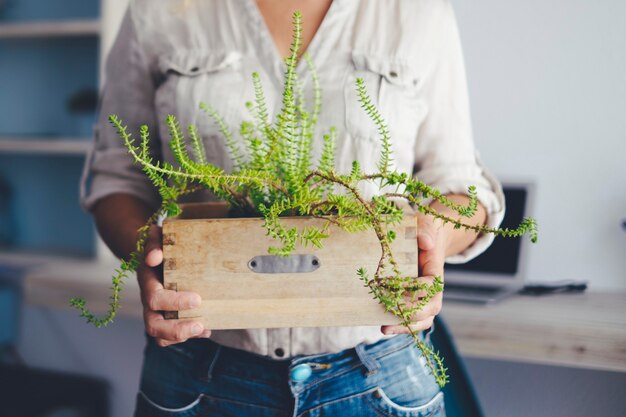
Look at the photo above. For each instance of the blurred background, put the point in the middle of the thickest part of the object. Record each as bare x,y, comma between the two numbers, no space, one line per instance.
547,85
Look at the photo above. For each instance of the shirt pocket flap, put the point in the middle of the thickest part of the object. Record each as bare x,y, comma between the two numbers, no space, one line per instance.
195,62
394,71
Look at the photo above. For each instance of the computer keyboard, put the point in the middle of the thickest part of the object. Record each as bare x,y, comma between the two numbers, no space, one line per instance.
477,294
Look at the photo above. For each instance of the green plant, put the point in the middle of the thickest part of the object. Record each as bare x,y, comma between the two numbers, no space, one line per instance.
273,176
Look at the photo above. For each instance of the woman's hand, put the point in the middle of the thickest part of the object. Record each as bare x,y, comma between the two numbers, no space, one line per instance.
436,241
432,241
156,298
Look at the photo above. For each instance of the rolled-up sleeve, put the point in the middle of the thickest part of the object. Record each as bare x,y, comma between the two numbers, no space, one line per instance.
445,153
129,93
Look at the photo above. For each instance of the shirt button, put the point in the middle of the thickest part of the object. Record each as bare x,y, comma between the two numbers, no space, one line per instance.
301,373
279,352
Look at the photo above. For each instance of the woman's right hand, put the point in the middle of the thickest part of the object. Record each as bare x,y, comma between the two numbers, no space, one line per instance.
156,298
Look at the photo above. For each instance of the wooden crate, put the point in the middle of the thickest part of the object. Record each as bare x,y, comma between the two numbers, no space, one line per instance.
215,256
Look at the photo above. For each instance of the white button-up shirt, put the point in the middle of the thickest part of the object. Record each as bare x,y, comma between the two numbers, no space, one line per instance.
172,54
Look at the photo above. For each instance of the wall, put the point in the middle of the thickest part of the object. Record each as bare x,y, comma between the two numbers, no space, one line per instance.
548,91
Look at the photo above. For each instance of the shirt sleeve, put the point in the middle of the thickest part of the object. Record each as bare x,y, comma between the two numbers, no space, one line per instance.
129,93
445,155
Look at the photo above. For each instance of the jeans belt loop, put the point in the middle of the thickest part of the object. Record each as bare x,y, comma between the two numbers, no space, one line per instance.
370,363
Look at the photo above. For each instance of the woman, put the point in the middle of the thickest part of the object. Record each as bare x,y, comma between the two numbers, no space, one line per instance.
173,54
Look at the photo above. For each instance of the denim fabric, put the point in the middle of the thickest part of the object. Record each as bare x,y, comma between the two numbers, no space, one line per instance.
202,378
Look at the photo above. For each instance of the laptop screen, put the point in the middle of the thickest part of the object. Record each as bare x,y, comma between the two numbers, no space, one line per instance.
503,256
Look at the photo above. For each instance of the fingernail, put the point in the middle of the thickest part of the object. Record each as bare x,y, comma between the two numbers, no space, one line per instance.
206,333
196,329
195,302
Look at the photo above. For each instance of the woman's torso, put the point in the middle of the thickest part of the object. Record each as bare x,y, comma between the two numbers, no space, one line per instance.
206,51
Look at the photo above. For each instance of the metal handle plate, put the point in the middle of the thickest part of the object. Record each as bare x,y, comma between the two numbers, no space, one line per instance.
272,264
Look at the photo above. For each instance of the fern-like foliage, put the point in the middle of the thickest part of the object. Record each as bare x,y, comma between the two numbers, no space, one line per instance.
274,176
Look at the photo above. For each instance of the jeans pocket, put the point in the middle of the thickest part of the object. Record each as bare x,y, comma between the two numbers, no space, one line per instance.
384,405
173,379
406,386
149,407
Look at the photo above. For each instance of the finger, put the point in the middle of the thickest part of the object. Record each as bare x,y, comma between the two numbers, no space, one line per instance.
149,278
425,240
154,247
415,327
150,281
204,335
432,308
431,256
411,294
414,296
155,297
173,331
431,262
426,233
169,300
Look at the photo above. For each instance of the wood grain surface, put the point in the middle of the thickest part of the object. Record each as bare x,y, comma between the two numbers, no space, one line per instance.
583,330
210,257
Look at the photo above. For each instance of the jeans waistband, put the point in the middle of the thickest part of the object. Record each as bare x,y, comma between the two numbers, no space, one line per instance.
210,358
373,351
242,364
362,356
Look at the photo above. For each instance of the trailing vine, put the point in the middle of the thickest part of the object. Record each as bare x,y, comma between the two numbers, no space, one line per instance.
273,177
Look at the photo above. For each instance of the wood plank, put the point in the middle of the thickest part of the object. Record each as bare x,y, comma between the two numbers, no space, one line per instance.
59,146
51,281
210,257
290,312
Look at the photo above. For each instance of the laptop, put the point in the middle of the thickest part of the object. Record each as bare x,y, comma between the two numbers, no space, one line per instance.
501,270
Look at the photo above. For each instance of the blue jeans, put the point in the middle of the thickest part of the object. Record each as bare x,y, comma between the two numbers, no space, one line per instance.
202,378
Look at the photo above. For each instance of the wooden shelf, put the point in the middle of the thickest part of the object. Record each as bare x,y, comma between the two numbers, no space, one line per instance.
50,29
56,146
51,280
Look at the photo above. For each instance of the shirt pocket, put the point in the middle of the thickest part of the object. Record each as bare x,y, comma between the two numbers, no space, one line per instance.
215,78
394,87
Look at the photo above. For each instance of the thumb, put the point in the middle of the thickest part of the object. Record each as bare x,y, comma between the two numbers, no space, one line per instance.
425,241
154,248
425,236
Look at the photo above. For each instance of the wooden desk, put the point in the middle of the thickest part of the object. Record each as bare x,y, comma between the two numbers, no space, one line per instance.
577,330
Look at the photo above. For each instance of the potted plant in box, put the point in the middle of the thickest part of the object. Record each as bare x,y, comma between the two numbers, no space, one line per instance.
299,206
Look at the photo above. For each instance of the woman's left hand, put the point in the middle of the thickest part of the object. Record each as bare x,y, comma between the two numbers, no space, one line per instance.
432,241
